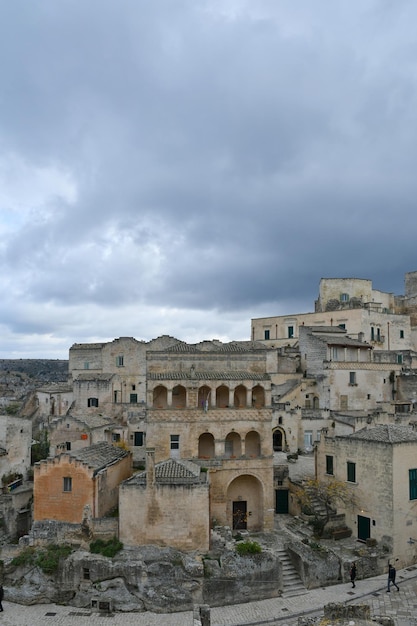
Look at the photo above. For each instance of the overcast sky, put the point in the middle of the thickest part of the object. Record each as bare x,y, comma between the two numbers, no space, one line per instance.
181,166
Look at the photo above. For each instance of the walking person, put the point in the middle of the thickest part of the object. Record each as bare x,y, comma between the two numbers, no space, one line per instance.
391,577
1,597
353,574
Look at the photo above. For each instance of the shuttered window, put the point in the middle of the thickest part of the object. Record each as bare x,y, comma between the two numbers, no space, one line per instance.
412,475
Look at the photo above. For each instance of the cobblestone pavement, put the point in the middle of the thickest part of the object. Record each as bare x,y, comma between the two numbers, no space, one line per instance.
402,605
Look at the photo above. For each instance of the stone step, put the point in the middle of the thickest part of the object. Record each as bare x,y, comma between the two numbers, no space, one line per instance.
292,583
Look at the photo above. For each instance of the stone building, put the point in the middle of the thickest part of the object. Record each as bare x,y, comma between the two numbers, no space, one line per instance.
209,403
373,316
54,400
168,504
69,433
67,484
379,464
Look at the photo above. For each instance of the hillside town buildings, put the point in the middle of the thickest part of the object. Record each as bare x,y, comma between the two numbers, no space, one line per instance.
202,421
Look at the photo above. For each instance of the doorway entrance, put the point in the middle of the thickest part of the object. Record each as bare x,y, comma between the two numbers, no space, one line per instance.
240,515
364,528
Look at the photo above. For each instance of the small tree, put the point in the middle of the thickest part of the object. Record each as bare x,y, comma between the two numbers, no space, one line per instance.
320,499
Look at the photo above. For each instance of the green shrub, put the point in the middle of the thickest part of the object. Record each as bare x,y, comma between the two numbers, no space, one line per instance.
107,548
46,559
248,547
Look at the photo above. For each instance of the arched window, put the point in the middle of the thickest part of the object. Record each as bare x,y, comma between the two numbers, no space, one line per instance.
179,397
232,446
206,446
159,397
240,397
253,444
222,397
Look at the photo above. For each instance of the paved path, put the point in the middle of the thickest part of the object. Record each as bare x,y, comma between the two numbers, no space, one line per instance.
277,611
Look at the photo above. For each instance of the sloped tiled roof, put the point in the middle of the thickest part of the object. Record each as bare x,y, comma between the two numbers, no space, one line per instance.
386,433
94,376
98,456
173,471
208,376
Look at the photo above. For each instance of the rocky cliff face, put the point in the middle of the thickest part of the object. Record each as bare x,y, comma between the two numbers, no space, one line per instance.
147,578
18,377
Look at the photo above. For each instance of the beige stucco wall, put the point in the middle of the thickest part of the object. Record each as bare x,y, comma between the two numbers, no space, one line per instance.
99,492
171,515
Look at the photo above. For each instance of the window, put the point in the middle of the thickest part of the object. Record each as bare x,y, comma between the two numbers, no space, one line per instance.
175,442
92,402
342,326
138,438
133,387
372,333
308,439
352,378
86,573
67,483
344,297
378,334
401,334
351,472
399,358
329,465
290,332
266,334
86,365
335,354
116,437
133,398
119,361
412,481
68,445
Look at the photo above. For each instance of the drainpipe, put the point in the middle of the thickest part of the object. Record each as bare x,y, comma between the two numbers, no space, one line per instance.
388,338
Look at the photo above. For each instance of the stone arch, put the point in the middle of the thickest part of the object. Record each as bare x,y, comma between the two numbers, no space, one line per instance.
278,440
222,397
252,444
160,397
245,502
204,397
316,402
179,397
206,446
232,445
258,397
239,398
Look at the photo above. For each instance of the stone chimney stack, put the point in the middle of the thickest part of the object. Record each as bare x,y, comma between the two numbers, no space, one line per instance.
150,467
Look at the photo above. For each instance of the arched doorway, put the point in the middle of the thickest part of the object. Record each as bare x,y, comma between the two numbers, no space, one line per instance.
206,446
222,397
240,396
160,397
245,503
232,446
278,440
179,397
253,444
258,397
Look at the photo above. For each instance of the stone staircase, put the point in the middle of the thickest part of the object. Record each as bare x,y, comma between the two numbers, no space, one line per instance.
292,583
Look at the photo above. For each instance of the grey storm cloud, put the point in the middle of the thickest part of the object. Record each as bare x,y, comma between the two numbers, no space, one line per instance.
181,167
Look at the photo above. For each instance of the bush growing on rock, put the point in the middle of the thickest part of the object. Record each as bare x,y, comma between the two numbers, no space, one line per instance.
248,547
46,559
107,548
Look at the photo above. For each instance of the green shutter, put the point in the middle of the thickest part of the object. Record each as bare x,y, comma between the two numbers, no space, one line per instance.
412,474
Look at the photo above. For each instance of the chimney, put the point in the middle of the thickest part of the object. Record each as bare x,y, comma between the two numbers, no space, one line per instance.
150,467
